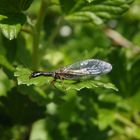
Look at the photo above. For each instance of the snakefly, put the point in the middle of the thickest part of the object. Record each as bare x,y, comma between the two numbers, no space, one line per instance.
80,70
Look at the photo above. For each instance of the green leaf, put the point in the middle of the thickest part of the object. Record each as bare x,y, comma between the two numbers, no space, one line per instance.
95,11
11,18
5,83
105,118
10,25
13,6
23,75
126,72
36,94
39,130
136,132
66,6
19,108
3,17
133,101
6,66
84,17
10,31
4,62
89,1
89,84
24,4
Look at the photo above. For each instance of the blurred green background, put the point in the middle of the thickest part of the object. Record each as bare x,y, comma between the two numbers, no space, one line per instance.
48,34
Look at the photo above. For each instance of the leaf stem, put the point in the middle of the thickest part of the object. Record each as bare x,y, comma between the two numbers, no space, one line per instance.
36,34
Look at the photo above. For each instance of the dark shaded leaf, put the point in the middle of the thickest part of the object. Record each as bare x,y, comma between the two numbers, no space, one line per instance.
4,62
36,94
13,6
19,109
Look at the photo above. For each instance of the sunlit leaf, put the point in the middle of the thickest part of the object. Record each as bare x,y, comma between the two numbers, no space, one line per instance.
89,84
11,25
89,1
23,75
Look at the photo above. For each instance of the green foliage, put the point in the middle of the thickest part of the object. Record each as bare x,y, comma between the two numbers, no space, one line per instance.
23,77
55,33
10,25
14,6
94,11
11,18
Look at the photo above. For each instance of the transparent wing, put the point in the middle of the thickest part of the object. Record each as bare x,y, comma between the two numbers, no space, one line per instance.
86,68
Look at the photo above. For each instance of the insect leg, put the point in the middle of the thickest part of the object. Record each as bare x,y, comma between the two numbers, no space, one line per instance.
53,82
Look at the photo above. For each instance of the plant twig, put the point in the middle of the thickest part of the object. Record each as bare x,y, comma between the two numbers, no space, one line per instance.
121,40
36,34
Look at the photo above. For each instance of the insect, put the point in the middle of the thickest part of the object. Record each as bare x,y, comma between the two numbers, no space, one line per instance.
80,70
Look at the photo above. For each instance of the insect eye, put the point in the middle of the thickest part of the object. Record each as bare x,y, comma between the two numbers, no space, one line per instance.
34,74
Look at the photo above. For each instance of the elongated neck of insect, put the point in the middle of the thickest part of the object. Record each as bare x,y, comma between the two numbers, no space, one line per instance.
41,73
46,73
